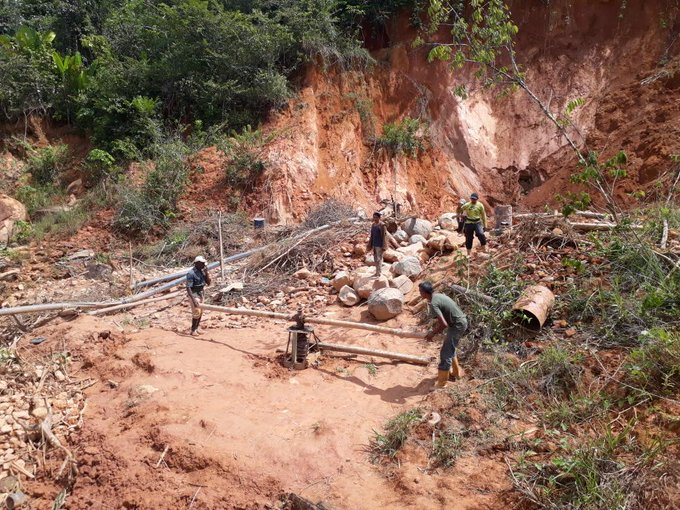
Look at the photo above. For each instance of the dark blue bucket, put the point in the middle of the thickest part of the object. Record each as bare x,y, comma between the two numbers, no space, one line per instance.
258,223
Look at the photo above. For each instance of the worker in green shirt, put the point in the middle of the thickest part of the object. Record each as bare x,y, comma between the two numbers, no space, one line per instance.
475,222
448,316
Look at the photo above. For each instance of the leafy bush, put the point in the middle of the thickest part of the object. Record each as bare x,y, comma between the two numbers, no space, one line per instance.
46,164
403,137
22,232
655,365
154,204
395,435
35,197
446,448
62,223
246,157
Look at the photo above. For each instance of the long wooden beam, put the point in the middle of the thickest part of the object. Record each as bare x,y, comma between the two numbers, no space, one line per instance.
418,360
317,320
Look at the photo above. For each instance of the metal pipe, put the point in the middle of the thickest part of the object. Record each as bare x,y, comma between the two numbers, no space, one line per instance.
50,307
138,303
374,352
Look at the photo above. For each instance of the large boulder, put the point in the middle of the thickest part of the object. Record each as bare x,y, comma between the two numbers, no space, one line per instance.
417,238
386,303
403,283
411,250
448,221
436,243
341,279
400,236
417,226
409,266
393,256
348,296
359,249
365,285
11,211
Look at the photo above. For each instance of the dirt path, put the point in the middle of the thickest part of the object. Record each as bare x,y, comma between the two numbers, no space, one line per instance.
241,429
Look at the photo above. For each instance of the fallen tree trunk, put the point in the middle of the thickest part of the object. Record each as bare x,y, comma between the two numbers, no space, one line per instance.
315,320
585,214
351,349
464,291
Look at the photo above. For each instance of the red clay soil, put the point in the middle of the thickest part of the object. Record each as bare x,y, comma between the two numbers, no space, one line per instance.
242,429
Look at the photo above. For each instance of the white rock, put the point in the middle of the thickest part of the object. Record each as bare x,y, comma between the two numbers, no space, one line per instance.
392,256
341,279
303,274
410,267
348,296
386,303
403,283
417,238
400,236
448,221
365,285
417,226
411,250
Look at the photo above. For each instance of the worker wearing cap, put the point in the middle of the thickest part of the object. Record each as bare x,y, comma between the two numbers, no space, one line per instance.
377,242
448,316
475,222
460,215
197,279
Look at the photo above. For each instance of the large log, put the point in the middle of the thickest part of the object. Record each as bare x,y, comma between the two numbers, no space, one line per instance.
408,358
464,291
316,320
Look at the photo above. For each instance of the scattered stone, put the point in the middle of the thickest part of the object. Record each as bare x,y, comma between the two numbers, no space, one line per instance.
448,221
59,375
75,188
403,283
96,271
231,287
39,412
348,296
409,266
359,249
392,256
81,254
400,236
412,250
142,392
570,332
303,274
341,279
417,238
11,211
386,303
417,226
365,285
423,256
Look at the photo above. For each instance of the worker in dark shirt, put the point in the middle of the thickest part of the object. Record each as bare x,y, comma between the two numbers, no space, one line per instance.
197,279
448,316
377,242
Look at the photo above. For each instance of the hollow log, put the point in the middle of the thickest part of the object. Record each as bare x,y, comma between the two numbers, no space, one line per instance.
534,304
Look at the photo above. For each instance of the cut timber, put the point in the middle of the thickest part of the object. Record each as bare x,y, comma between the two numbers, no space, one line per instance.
664,236
462,290
591,227
138,303
316,320
417,360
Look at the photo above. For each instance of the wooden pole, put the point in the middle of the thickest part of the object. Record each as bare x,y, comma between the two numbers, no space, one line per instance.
132,282
316,320
374,352
462,290
219,231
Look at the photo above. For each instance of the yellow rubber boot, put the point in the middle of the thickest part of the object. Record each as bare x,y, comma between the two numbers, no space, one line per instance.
442,379
456,371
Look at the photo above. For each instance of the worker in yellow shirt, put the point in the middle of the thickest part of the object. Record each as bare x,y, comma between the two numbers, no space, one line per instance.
475,222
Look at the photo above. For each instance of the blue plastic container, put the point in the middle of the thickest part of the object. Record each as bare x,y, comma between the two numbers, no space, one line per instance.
258,223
